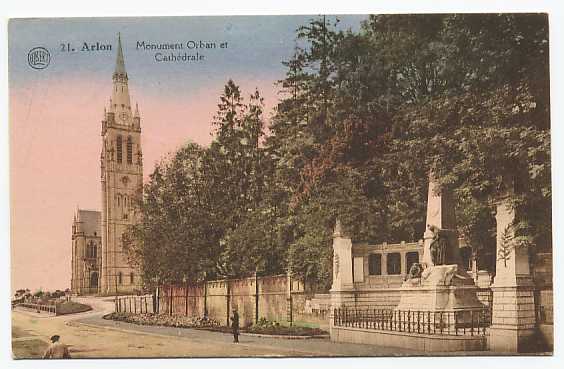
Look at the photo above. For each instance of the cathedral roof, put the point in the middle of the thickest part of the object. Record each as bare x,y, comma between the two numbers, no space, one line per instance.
91,221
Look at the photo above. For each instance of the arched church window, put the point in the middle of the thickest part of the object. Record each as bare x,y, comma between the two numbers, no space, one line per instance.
119,145
94,280
131,278
120,278
129,150
90,250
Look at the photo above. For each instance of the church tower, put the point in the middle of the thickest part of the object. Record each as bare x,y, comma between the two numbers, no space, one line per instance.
121,163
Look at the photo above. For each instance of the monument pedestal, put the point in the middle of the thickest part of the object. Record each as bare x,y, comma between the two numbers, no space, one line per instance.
446,287
513,326
342,289
440,288
343,285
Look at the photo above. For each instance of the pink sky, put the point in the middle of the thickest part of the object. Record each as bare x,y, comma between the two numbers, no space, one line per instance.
55,157
55,113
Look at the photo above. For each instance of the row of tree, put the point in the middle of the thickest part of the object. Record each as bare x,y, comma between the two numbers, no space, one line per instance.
363,118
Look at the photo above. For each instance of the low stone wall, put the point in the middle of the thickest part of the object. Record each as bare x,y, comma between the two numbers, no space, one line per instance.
370,298
313,310
419,342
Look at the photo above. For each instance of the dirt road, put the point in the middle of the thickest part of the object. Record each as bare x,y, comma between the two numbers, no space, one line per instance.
89,336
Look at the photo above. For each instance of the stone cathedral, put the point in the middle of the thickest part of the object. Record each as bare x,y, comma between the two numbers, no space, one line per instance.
99,264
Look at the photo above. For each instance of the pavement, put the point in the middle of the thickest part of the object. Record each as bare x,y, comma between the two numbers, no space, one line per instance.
90,336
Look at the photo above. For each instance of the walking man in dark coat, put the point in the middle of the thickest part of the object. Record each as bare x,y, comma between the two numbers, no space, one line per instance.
235,326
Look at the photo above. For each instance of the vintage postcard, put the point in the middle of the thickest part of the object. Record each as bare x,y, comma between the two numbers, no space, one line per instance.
281,186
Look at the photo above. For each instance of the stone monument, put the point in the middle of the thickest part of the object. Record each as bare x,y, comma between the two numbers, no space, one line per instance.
343,285
513,326
440,282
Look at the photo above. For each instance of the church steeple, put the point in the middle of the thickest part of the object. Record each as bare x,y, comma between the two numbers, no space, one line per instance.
121,177
120,63
120,103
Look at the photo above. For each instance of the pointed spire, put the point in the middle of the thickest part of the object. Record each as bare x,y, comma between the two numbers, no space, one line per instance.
120,103
136,111
120,63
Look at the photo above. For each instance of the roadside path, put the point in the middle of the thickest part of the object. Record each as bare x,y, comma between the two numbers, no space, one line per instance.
308,347
90,336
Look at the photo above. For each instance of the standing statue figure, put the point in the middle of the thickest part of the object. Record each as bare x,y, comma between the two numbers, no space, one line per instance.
438,246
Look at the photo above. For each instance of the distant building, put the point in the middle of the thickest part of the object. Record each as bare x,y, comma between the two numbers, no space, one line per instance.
86,252
99,263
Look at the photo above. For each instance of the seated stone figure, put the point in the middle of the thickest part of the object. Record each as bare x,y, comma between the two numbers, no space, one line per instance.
438,246
413,277
414,271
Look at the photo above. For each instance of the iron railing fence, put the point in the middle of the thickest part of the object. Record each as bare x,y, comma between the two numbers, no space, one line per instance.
543,305
472,322
485,295
134,304
51,308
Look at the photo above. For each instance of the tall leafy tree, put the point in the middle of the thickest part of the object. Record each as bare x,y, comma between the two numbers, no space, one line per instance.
364,116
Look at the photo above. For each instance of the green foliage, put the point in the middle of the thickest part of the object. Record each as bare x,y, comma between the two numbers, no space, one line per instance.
506,245
172,241
203,213
165,320
466,95
264,326
362,119
38,293
264,323
72,307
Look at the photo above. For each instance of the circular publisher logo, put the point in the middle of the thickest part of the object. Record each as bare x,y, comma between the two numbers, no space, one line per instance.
38,58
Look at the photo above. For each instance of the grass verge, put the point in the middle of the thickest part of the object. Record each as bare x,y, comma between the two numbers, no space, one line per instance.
165,320
71,307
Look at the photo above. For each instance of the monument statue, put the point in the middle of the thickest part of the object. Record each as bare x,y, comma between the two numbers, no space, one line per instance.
439,246
439,282
413,277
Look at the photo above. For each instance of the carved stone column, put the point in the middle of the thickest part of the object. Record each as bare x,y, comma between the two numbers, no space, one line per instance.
342,261
342,290
403,263
513,320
